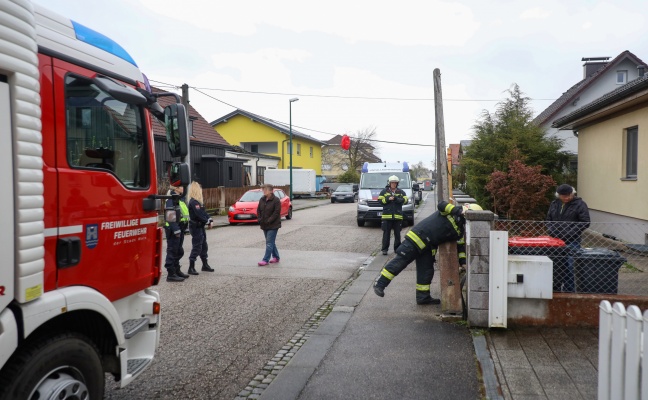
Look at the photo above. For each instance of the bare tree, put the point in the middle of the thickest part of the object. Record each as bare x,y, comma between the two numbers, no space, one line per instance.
362,148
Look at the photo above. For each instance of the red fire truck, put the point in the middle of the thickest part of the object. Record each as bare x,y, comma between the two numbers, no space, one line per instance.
81,246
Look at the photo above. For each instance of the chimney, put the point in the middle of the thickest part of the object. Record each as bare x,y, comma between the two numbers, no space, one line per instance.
641,69
593,64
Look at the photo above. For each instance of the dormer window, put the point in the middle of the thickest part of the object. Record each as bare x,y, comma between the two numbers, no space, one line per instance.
622,77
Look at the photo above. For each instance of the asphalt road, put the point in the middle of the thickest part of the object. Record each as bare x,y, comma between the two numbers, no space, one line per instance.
219,329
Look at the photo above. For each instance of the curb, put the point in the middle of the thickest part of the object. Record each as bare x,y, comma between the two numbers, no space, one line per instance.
487,367
294,376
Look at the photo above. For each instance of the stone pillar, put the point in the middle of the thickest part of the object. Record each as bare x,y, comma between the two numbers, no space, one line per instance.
478,227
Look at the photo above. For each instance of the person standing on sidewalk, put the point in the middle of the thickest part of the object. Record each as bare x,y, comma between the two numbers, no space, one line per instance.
198,219
568,217
174,231
392,199
269,215
421,244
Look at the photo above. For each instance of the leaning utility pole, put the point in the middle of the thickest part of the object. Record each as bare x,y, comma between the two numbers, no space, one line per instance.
185,102
448,260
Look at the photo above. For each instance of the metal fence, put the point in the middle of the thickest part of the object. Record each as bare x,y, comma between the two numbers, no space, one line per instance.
607,258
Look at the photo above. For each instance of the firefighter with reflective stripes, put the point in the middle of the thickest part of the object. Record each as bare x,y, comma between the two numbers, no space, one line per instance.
392,198
174,231
421,244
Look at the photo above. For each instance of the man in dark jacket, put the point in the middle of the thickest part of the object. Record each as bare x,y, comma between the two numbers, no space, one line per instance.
567,219
421,244
392,199
269,215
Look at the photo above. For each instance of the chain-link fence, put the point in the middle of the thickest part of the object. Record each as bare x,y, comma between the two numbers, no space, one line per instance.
610,258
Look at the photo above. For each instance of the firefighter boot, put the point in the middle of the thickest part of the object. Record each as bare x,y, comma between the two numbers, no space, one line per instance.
206,266
192,268
179,272
172,277
380,285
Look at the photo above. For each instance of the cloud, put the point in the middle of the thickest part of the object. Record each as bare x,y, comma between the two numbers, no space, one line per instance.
419,22
535,13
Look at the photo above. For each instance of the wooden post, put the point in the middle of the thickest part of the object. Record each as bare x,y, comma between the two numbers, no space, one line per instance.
447,255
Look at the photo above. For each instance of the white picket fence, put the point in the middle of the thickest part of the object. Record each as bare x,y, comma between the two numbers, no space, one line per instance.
623,353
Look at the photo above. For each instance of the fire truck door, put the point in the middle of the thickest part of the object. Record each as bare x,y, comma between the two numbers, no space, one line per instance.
104,159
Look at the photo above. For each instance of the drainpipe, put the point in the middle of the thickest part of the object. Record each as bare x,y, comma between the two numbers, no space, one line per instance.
283,161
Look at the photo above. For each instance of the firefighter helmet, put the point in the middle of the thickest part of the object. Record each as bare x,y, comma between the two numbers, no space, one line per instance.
472,207
394,178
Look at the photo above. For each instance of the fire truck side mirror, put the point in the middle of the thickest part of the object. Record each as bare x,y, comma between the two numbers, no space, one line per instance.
175,123
179,174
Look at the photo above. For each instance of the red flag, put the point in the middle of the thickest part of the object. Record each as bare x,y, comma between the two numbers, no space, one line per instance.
345,143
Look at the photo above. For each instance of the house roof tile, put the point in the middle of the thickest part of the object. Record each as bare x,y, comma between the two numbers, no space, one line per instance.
202,131
572,93
280,126
619,93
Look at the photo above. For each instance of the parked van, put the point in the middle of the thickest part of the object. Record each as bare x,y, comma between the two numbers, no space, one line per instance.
373,180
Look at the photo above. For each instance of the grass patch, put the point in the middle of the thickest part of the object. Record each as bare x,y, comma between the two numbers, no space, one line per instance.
627,267
478,332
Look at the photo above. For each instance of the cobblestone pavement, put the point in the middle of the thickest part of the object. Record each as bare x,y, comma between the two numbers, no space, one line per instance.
220,329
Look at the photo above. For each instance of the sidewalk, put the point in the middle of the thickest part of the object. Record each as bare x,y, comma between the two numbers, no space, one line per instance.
550,363
390,348
382,348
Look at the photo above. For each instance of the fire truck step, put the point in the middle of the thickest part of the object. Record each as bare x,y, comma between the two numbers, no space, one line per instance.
136,365
134,326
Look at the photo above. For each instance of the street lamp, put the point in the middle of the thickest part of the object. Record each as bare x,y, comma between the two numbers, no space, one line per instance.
291,145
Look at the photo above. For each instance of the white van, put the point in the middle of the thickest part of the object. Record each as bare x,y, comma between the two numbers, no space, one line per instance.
373,180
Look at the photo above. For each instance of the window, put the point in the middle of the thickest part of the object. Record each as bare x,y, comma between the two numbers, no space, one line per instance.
105,134
230,172
298,149
331,150
345,167
247,179
289,147
631,153
326,167
311,152
621,77
260,175
254,148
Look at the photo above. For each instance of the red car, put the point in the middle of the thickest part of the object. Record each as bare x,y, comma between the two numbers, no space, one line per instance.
245,209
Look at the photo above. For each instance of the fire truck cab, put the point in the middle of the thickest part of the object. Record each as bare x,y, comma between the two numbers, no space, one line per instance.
81,247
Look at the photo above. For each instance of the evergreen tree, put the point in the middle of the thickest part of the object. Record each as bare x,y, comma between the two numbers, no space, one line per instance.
506,135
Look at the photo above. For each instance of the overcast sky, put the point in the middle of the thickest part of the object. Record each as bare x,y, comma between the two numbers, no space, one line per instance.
366,48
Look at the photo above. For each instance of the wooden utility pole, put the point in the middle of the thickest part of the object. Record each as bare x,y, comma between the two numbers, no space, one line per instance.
185,102
447,254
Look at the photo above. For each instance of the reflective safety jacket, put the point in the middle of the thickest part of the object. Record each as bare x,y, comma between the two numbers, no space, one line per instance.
392,209
445,225
174,226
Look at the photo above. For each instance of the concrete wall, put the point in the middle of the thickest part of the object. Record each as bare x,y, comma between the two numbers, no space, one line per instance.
478,227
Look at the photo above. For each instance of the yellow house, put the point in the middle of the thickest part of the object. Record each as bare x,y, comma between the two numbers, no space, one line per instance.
266,136
612,136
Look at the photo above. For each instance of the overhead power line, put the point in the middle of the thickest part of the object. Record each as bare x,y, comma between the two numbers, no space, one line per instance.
351,97
315,130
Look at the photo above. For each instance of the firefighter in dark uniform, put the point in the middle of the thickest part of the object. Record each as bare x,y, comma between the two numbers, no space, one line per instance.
392,199
198,219
421,244
174,231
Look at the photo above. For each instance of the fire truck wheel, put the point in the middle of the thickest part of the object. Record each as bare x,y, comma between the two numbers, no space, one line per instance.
65,366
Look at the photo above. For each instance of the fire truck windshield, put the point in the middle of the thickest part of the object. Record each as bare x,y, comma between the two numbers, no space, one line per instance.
104,133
